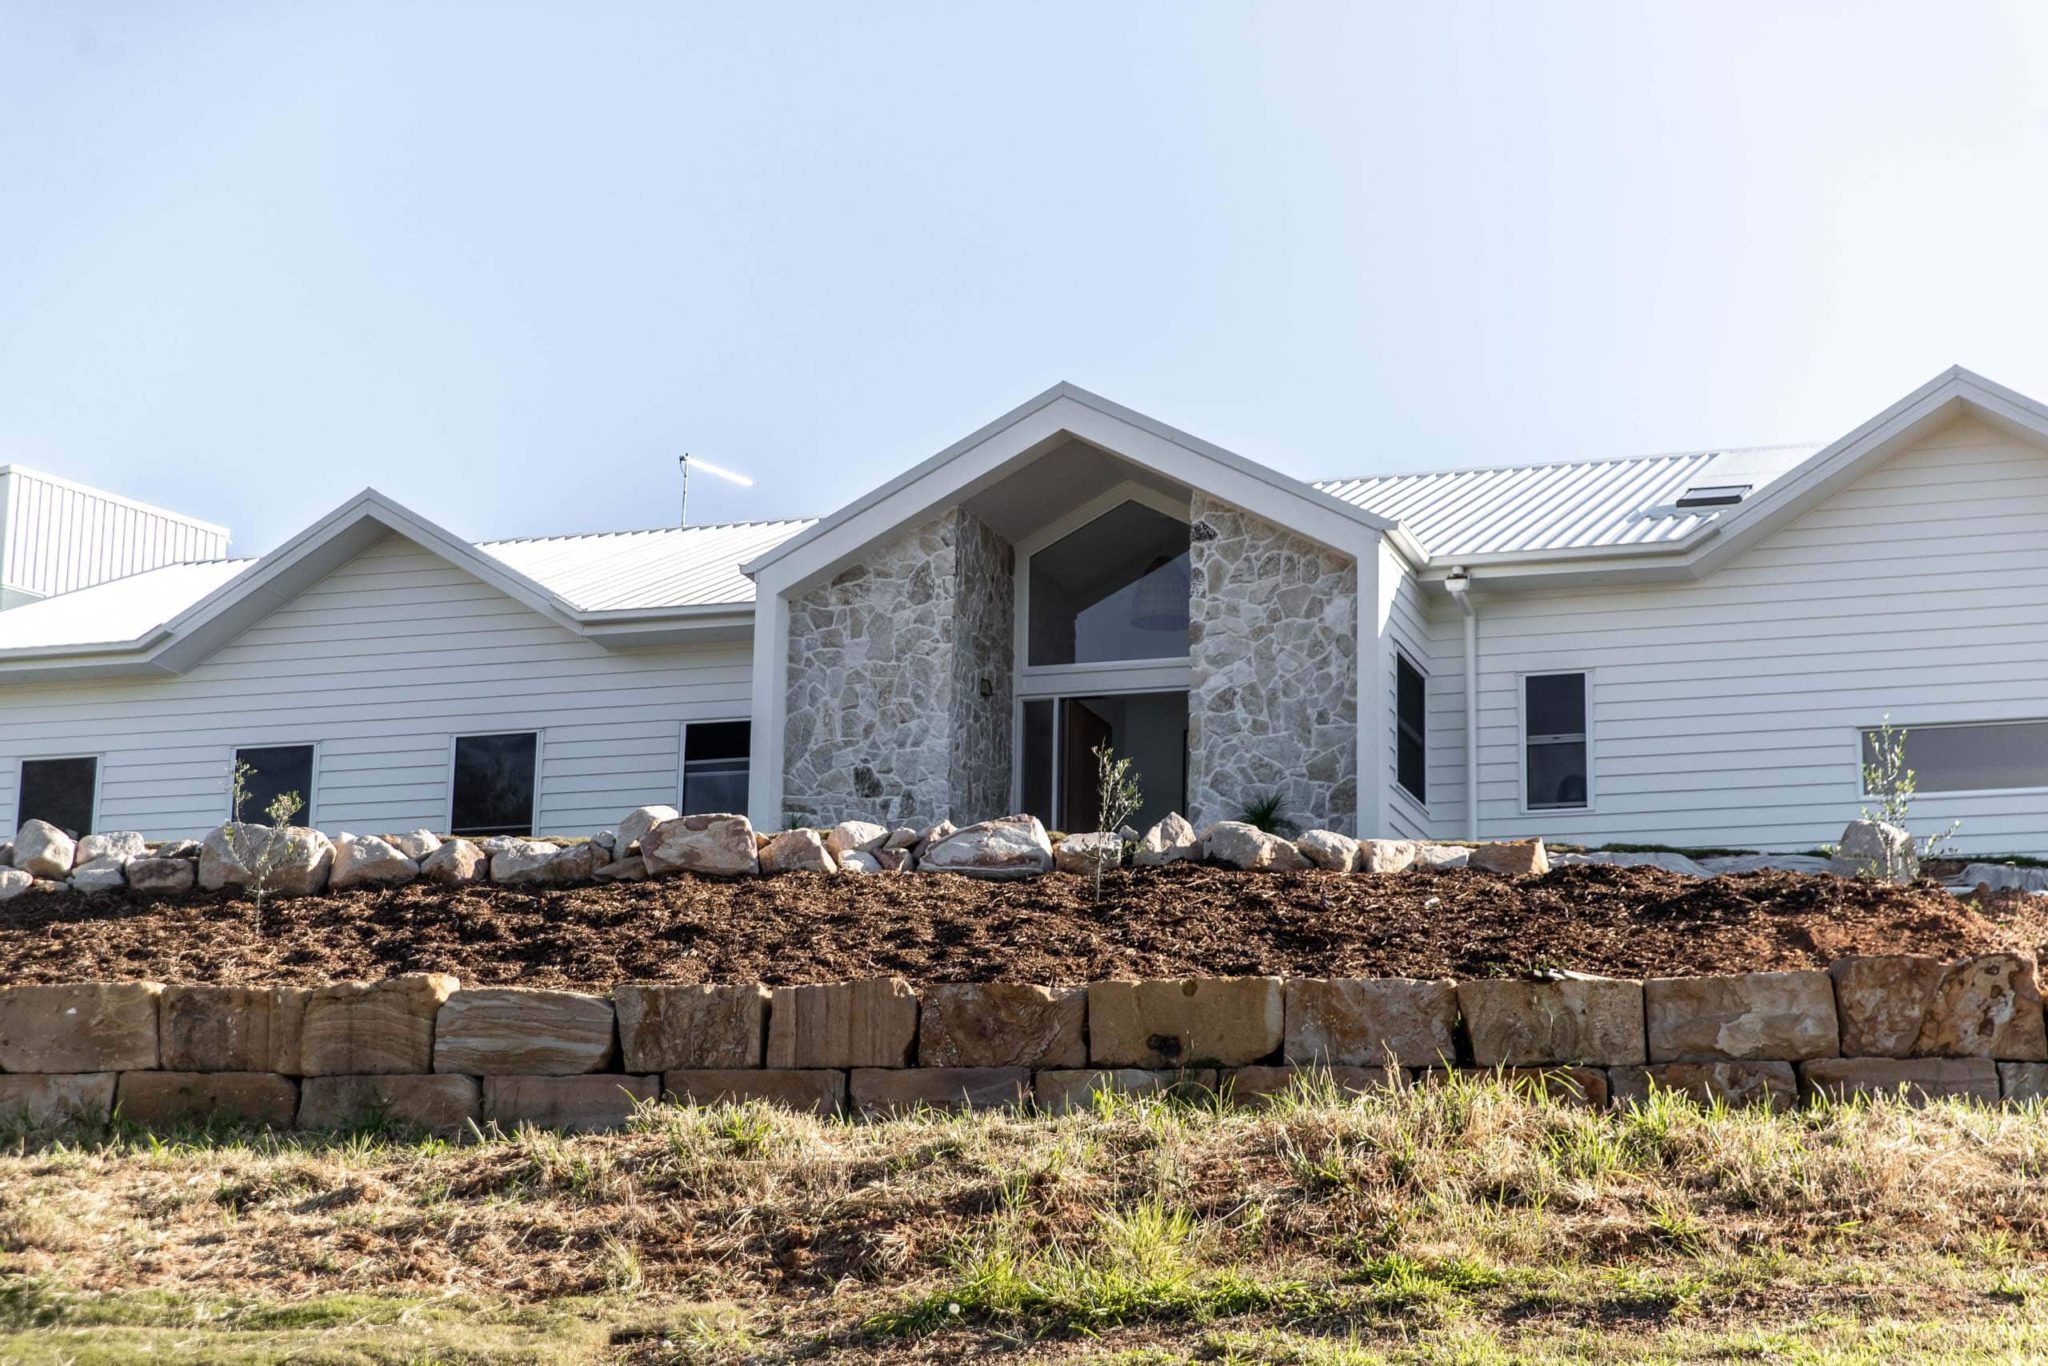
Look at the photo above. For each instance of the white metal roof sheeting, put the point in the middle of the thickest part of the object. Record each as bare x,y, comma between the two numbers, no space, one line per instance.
115,611
1577,506
696,566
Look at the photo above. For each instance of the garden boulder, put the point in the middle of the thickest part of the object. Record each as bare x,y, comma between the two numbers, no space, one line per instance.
719,845
1010,847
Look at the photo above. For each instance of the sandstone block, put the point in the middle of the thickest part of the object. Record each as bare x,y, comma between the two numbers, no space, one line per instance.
1916,1079
870,1023
440,1103
1012,847
1580,1085
119,845
79,1027
820,1091
1788,1016
1386,856
160,876
233,1029
1596,1021
1882,999
154,1099
1771,1084
719,846
665,1028
893,1090
1062,1089
517,862
1170,841
631,868
2021,1083
1328,850
373,1028
1239,845
1002,1024
582,1104
1438,857
1511,858
42,850
45,1099
1986,1006
1361,1022
631,830
798,851
1229,1021
523,1032
1263,1085
455,862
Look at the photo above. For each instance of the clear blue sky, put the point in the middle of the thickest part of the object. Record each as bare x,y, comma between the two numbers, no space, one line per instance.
505,261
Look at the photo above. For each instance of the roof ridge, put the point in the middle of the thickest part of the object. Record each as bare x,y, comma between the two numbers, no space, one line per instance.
1324,484
644,531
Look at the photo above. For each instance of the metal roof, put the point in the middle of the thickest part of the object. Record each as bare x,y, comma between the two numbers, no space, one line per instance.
1580,505
615,571
115,611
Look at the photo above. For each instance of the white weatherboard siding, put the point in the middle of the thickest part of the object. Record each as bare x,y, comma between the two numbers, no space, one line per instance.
1726,711
380,663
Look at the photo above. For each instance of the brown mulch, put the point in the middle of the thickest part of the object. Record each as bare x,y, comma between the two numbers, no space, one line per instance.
1179,920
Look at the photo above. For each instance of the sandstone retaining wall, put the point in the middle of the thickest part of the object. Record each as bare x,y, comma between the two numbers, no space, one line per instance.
423,1051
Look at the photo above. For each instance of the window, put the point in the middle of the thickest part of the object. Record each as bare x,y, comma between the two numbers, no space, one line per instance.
1554,740
273,771
1411,725
1971,758
60,791
494,784
715,766
1113,590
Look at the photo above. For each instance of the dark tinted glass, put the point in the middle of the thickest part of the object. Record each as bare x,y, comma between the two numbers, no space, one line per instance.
1115,589
1411,754
1038,760
715,767
59,791
1984,758
1557,704
274,771
1557,774
494,785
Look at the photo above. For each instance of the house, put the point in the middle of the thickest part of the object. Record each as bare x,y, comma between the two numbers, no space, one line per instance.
1688,649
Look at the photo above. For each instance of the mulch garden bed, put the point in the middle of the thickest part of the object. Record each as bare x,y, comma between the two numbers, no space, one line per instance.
1178,920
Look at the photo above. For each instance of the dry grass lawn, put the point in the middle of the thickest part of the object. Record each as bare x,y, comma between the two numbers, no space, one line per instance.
1462,1224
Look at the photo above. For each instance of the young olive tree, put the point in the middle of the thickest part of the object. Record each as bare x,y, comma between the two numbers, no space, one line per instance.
1887,777
1117,800
260,848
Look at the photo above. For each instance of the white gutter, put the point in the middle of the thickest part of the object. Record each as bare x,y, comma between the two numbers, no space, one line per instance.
1460,585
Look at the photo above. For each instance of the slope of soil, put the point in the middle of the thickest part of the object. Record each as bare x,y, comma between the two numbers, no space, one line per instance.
940,927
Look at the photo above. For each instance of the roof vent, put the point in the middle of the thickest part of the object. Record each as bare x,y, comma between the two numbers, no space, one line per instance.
1712,496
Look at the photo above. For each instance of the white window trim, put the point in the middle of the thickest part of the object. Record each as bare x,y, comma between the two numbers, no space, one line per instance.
99,778
1862,794
683,749
1591,805
312,780
1419,803
1130,491
540,751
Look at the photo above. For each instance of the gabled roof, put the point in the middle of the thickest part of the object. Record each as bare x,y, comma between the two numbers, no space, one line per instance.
697,566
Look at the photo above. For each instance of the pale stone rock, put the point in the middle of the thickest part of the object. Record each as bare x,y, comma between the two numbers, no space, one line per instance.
574,863
1438,857
1669,862
1002,1024
516,1030
455,862
820,1091
1083,854
1764,863
48,885
870,1023
79,1027
1238,845
103,874
42,850
714,845
1263,1085
1170,841
636,823
1595,1021
1061,1089
798,851
233,1029
2004,877
1229,1021
607,840
419,845
165,1098
1988,1006
855,861
46,1099
931,835
902,837
368,861
159,876
1367,1022
849,837
1573,1085
438,1103
13,882
1329,850
1787,1016
1876,850
1387,856
632,868
1774,1085
1917,1079
665,1028
585,1104
1010,847
371,1028
892,1090
299,859
515,862
1511,858
119,845
178,849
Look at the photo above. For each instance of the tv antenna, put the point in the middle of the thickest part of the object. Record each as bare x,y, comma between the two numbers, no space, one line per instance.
684,462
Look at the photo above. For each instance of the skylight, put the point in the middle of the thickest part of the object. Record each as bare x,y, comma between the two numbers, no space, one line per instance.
1712,496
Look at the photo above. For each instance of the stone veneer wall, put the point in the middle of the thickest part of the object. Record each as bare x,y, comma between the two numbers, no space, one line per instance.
884,717
1273,696
425,1051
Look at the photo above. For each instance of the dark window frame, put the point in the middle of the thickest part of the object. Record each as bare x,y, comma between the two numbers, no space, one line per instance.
21,789
478,831
1409,731
1582,738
